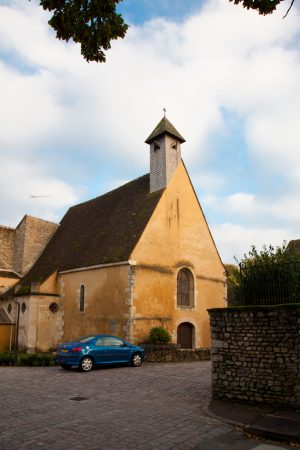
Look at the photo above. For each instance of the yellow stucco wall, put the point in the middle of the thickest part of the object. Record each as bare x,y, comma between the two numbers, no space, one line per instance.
106,291
50,324
176,236
6,282
105,301
50,285
40,329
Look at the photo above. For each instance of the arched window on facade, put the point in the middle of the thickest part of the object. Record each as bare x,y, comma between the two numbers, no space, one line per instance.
81,298
185,288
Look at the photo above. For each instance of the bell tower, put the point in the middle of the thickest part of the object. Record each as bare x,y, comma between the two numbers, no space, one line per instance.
165,153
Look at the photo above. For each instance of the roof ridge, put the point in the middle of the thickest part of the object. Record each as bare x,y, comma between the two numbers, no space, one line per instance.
39,218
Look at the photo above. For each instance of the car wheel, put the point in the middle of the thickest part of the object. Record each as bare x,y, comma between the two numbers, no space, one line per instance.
66,366
86,364
136,360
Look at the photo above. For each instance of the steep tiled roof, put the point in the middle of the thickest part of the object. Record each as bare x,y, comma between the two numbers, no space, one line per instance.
164,126
99,231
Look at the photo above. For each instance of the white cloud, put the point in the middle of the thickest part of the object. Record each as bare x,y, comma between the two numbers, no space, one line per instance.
207,182
241,203
30,113
61,117
21,182
111,185
233,240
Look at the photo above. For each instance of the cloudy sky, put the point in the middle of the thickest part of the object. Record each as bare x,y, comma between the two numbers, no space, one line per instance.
229,78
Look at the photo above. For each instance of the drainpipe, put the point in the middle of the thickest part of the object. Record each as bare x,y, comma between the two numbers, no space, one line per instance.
10,337
17,326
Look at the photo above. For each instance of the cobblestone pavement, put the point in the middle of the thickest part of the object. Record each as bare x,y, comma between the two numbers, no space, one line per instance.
155,406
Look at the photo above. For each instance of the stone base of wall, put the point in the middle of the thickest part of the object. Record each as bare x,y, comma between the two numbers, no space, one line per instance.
173,353
256,354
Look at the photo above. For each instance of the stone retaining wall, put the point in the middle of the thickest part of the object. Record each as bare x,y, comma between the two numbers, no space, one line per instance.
256,354
173,353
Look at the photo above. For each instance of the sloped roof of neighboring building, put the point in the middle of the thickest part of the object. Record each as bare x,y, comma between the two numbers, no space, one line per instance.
4,318
99,231
9,274
164,126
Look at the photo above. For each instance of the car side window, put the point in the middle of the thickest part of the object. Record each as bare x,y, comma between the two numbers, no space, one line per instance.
113,342
99,342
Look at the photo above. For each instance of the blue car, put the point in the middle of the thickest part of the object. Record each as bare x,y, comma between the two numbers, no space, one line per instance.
89,351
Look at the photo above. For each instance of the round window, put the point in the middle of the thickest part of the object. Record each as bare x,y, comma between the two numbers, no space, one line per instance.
9,308
53,307
23,307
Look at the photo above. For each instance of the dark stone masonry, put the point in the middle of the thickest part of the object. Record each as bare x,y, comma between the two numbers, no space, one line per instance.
174,353
256,354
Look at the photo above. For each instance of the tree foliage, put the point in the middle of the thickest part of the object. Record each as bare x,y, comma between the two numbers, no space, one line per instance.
95,23
271,276
92,23
232,275
270,255
264,7
233,281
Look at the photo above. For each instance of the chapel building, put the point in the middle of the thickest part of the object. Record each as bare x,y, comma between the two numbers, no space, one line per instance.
137,257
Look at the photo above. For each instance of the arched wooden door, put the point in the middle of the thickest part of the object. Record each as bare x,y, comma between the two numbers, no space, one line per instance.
185,335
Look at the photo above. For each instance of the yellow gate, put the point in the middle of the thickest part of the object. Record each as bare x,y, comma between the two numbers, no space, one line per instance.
7,336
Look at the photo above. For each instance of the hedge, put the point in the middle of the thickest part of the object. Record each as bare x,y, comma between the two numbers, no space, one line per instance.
27,359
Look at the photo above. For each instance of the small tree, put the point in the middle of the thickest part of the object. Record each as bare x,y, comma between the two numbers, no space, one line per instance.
271,255
233,280
271,276
159,335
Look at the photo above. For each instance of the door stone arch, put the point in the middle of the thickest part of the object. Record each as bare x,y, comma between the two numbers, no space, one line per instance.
186,335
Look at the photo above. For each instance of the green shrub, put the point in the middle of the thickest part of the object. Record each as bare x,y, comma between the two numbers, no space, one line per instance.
27,359
159,335
7,358
35,359
270,276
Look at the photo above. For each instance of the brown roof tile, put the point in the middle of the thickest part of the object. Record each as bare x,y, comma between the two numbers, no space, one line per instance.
164,126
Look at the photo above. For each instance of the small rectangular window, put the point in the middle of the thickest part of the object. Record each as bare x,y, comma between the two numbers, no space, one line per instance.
81,299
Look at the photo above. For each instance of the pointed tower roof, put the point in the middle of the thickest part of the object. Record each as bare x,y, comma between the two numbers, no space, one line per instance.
164,127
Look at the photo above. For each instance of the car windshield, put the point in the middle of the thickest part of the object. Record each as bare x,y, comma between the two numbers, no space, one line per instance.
85,339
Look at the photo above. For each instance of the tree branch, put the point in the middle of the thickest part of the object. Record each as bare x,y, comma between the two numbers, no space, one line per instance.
292,2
